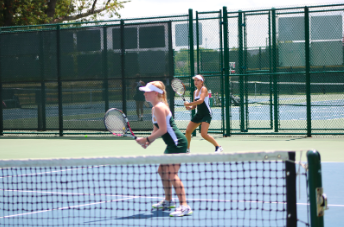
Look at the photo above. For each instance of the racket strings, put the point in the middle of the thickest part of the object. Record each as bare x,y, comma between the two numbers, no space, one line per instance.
116,123
178,87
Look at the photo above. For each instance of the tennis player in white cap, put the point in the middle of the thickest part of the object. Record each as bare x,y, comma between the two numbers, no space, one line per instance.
165,127
203,115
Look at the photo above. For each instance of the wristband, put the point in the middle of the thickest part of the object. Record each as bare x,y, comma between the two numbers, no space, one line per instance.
147,139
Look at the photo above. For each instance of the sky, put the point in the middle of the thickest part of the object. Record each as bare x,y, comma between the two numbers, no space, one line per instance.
156,8
151,8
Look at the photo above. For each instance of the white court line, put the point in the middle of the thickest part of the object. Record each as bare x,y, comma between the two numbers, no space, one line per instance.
79,193
63,208
63,193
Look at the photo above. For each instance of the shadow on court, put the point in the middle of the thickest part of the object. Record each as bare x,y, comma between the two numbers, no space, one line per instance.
154,214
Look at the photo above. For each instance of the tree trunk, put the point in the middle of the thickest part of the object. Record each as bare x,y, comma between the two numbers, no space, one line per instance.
50,11
8,13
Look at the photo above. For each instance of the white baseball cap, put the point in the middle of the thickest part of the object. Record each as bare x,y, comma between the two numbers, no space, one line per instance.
198,77
150,87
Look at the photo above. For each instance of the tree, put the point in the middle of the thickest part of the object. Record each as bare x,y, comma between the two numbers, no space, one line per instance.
181,59
31,12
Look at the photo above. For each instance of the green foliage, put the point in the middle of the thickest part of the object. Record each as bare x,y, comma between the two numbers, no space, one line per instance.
182,62
32,12
23,12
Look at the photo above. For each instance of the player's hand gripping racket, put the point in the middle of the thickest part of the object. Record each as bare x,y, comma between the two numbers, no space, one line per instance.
117,123
178,87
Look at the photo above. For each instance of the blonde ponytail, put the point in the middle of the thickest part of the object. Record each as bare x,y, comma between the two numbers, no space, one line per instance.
163,96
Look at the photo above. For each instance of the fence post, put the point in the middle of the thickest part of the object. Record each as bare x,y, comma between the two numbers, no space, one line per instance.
270,71
59,82
197,45
274,68
171,67
1,107
41,105
192,58
222,71
197,54
105,70
227,130
308,76
124,86
241,71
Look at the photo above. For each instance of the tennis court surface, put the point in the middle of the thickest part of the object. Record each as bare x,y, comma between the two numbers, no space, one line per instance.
260,188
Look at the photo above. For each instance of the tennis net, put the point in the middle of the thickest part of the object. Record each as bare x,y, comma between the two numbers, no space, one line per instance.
240,189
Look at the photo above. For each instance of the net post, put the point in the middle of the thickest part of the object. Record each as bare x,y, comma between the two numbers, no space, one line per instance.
315,185
291,190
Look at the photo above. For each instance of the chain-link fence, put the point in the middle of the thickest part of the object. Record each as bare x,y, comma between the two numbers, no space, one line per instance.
289,70
281,69
62,78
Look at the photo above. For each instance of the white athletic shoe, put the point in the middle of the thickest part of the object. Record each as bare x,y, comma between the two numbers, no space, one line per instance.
219,149
181,211
163,204
188,150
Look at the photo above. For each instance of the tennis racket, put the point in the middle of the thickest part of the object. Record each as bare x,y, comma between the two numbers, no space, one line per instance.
178,87
117,123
